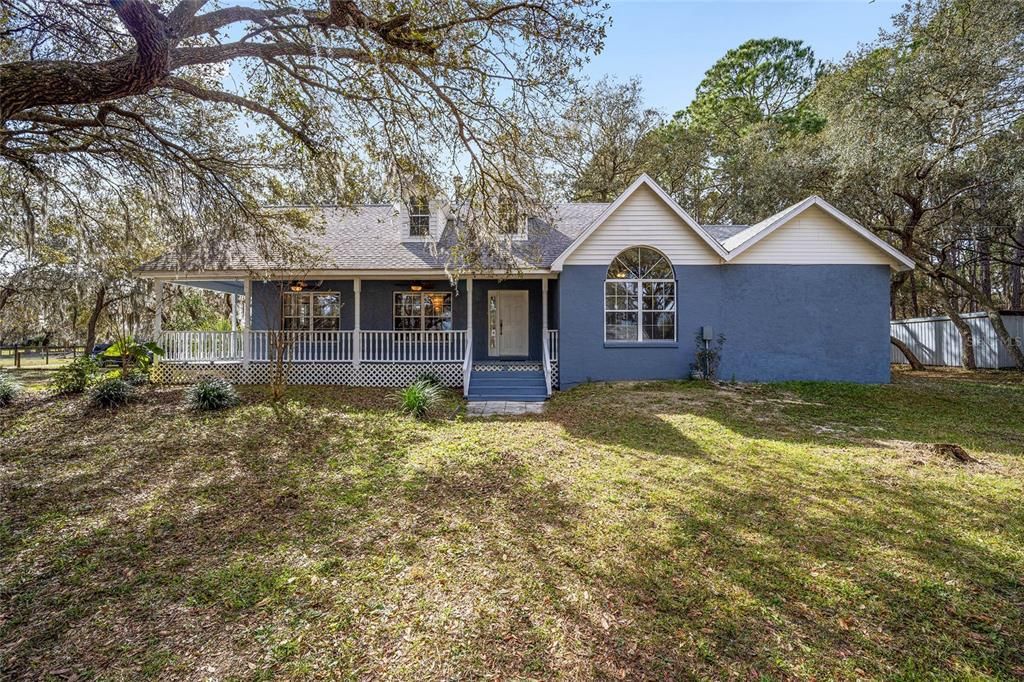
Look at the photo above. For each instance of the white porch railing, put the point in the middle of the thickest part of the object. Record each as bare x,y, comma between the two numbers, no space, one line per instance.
553,344
316,346
399,346
202,346
546,354
467,371
302,346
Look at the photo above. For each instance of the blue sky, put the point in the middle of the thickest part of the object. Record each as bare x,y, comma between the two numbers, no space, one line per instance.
671,43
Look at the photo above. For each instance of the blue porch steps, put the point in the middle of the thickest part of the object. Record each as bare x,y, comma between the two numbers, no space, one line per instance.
525,386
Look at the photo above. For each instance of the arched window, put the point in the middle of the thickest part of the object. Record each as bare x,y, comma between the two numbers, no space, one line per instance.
640,297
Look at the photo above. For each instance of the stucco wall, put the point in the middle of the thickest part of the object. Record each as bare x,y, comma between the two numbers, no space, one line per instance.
781,322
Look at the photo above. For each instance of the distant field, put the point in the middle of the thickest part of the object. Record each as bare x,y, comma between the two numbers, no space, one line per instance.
34,359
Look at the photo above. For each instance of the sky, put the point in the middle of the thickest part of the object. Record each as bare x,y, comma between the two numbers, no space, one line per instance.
669,44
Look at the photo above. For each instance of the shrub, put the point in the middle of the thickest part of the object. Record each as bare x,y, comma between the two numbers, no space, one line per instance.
211,394
137,376
9,390
416,398
709,355
111,392
430,378
75,376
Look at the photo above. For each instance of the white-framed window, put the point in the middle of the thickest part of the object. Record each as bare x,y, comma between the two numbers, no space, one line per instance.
311,310
640,297
419,216
423,310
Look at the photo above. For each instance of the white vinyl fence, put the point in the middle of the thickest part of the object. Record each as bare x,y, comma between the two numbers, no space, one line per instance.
935,340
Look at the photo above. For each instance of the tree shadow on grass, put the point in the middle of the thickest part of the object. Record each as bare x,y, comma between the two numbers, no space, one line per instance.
877,584
977,416
133,525
863,563
330,535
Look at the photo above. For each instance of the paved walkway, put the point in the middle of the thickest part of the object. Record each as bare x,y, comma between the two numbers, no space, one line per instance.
490,408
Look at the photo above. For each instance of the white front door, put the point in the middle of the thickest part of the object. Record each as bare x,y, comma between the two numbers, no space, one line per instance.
508,321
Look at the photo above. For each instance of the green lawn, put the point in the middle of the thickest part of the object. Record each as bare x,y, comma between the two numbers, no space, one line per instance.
656,531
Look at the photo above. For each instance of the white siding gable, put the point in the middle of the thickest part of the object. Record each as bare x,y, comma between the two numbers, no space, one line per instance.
813,237
644,219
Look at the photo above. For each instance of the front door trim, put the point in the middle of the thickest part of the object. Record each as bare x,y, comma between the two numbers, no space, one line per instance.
508,323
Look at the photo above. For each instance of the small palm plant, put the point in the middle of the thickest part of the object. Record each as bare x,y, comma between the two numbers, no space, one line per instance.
9,390
211,394
418,397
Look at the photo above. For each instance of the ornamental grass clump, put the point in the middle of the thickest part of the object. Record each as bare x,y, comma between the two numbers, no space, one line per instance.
418,397
111,392
9,390
208,395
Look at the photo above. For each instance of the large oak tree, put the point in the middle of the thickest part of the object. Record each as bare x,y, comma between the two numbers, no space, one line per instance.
190,117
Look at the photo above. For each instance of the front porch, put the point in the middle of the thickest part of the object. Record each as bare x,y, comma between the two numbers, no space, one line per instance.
364,333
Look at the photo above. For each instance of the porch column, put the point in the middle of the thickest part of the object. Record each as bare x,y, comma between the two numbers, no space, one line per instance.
158,310
247,321
234,312
544,310
469,315
357,341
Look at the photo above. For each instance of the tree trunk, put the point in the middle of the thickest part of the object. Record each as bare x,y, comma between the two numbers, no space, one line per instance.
42,83
915,305
985,260
995,316
915,364
1017,274
967,360
1016,352
94,317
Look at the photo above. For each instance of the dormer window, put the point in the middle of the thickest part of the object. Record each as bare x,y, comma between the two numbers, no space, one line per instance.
510,221
419,217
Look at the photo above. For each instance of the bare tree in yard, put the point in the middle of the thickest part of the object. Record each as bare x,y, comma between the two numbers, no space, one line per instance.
920,125
607,140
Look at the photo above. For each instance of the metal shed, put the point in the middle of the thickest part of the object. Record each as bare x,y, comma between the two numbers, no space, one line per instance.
935,340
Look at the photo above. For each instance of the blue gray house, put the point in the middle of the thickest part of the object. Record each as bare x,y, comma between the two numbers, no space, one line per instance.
600,292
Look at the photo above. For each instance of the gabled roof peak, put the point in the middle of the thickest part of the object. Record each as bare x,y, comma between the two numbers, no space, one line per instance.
742,241
643,181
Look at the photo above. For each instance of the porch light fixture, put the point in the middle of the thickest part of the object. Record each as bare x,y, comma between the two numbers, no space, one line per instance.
297,286
416,287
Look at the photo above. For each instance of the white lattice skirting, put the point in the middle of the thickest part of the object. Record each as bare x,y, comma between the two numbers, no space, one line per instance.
498,366
323,374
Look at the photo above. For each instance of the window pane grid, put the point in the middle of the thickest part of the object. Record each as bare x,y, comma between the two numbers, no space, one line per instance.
423,311
640,297
310,311
419,217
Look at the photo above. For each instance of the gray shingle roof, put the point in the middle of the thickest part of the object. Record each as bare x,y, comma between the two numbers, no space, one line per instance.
723,232
369,237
